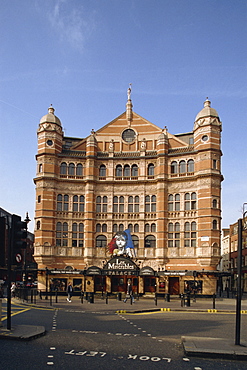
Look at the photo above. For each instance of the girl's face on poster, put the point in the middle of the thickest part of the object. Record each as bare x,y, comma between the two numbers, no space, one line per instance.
120,242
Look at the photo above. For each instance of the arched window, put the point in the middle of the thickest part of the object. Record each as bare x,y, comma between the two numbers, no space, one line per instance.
126,170
104,204
104,228
98,204
177,202
214,224
79,170
101,241
102,171
190,165
119,170
182,167
63,168
101,204
174,235
75,203
81,203
174,167
153,203
134,170
115,228
81,235
98,228
41,167
121,204
147,228
153,228
71,169
151,169
177,235
118,204
130,204
121,227
115,204
150,241
59,234
214,203
187,202
170,203
136,203
62,234
190,201
150,203
38,225
74,234
136,228
130,227
62,202
59,202
66,203
135,240
147,203
170,235
193,201
190,234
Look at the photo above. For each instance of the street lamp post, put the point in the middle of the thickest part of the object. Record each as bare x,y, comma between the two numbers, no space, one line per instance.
27,220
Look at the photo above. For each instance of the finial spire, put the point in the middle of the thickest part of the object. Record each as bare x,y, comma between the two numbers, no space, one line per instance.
129,92
51,109
129,106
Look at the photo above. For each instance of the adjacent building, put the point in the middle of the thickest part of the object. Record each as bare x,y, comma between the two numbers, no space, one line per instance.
129,175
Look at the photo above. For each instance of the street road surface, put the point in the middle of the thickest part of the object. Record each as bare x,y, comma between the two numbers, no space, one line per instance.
81,338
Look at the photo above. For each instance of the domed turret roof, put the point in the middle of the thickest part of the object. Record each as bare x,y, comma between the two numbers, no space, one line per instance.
207,111
50,117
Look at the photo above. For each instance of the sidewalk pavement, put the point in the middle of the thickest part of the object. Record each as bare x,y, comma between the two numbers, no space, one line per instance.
193,346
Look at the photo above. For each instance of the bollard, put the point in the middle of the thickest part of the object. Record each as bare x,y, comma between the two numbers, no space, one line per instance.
182,300
155,299
187,300
50,298
214,296
56,295
106,298
82,295
119,296
31,295
167,297
91,297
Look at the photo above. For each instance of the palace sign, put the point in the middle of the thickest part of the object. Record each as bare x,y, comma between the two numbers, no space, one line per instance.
120,266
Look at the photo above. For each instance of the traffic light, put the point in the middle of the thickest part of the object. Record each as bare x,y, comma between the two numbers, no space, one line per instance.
18,239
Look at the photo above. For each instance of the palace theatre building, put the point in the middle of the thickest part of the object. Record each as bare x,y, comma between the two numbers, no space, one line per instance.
129,175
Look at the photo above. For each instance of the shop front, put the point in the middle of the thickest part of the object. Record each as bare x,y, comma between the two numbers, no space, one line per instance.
119,271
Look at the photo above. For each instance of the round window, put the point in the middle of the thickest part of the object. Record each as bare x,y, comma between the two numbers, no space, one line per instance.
49,142
204,137
129,135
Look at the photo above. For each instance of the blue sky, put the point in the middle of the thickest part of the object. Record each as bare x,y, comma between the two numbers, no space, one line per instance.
81,55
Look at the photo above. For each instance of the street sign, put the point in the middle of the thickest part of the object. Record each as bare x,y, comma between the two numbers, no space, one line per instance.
18,258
